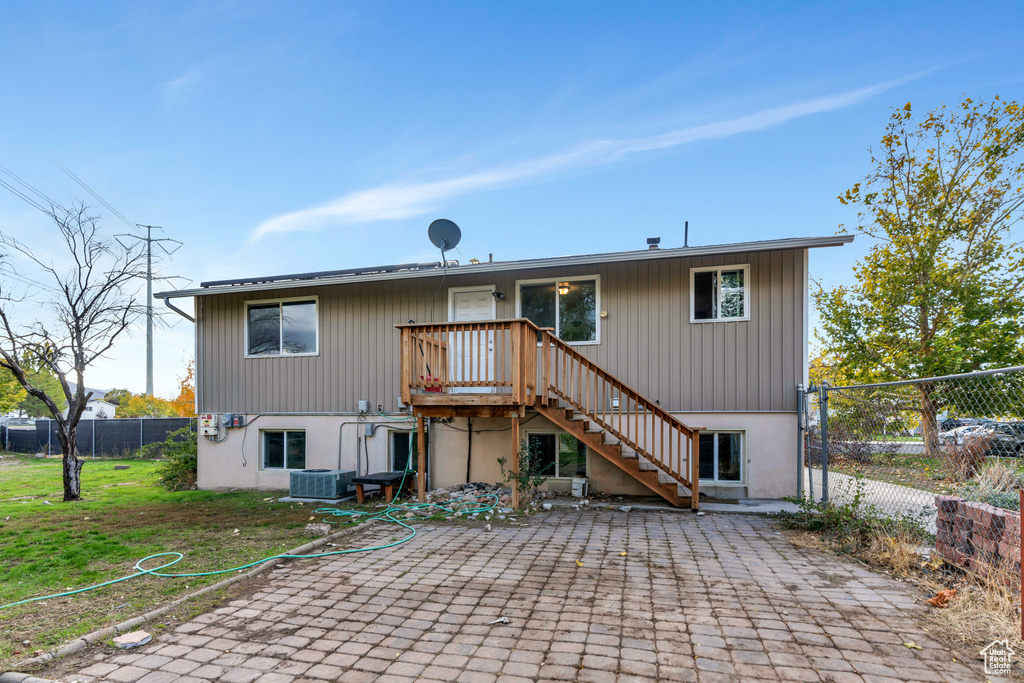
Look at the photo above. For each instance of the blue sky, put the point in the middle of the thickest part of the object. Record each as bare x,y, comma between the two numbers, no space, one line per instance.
276,137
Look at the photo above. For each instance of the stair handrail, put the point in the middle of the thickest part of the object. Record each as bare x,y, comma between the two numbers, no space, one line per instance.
622,387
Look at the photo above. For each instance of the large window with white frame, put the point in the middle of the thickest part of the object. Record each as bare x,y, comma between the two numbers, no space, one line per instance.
570,306
719,293
721,457
284,327
557,454
284,449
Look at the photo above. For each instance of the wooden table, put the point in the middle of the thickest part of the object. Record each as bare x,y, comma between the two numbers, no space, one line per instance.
385,480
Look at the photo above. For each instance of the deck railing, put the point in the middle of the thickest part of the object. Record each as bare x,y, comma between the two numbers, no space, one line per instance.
487,357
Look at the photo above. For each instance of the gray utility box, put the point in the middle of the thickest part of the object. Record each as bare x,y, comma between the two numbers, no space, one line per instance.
323,484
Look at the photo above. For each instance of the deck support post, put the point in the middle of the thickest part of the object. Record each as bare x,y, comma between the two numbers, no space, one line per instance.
515,462
695,469
421,465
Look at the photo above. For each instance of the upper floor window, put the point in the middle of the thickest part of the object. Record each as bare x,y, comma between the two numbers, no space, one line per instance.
568,306
719,293
281,328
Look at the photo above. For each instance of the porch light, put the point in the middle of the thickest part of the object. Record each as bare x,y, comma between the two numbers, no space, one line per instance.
563,288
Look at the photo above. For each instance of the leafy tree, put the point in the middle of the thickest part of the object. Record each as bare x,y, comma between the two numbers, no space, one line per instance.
43,378
184,404
940,291
143,405
11,392
115,396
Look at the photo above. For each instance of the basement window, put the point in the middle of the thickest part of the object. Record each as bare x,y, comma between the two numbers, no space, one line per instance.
558,454
287,327
404,449
721,457
568,306
284,450
719,293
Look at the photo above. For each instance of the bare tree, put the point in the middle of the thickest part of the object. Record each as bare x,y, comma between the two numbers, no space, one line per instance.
66,323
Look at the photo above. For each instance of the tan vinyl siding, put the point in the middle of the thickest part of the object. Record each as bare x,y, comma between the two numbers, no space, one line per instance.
647,339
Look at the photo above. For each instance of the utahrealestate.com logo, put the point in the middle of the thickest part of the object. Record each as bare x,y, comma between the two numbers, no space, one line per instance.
998,657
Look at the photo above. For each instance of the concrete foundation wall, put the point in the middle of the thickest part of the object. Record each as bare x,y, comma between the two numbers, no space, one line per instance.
333,442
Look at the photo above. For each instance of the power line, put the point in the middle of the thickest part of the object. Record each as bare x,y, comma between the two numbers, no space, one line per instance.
100,199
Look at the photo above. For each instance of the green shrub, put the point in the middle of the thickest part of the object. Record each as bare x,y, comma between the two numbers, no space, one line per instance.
181,451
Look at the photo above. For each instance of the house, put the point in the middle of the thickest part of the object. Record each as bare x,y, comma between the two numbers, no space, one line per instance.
658,371
96,407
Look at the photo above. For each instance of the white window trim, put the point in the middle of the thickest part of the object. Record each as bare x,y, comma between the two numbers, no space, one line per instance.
263,461
743,457
263,302
745,267
566,278
452,291
586,451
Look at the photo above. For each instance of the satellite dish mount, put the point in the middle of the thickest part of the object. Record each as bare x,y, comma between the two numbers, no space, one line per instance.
444,235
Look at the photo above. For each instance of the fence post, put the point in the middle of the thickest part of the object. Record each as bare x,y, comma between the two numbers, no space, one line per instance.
94,437
49,432
141,445
799,440
823,401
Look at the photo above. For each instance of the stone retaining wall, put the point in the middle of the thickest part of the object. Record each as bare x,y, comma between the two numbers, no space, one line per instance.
979,537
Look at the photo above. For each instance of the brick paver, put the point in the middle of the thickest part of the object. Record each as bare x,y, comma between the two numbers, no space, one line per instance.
717,597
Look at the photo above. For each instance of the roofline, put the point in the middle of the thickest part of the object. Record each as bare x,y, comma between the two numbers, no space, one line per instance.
525,264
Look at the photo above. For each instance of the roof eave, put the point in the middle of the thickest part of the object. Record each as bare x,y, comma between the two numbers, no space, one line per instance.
526,264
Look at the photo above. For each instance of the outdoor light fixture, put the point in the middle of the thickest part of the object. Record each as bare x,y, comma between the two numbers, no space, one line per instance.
563,288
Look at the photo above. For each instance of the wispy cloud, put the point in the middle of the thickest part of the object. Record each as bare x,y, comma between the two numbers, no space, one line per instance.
177,88
405,199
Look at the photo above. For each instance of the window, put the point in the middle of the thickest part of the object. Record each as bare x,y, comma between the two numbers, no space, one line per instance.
721,457
558,454
719,293
404,448
569,306
284,450
281,328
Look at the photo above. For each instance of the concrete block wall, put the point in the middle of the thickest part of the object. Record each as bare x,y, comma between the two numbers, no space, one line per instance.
979,537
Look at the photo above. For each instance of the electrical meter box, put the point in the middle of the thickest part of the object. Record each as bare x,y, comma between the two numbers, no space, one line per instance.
208,425
234,420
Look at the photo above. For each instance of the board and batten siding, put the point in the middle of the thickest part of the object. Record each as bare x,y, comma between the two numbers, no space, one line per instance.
647,339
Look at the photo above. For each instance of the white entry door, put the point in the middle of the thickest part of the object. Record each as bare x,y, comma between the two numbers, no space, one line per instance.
466,304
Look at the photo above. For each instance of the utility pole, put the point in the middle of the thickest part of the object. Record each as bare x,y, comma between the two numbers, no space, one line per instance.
149,240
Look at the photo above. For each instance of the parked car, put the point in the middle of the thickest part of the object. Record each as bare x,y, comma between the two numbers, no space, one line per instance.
949,424
960,434
1007,439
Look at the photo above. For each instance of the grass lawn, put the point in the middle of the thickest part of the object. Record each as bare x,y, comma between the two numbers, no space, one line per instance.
48,546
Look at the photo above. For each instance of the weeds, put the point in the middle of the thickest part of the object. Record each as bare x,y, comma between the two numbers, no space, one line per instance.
856,528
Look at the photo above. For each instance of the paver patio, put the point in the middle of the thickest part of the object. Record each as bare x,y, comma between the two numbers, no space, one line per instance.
709,598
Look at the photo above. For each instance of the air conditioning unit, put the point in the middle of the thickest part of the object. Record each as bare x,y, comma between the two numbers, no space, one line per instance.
323,484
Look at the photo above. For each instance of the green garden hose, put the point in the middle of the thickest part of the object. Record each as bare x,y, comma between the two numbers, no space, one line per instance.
331,513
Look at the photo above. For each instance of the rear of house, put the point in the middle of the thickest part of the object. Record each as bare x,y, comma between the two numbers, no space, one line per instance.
644,371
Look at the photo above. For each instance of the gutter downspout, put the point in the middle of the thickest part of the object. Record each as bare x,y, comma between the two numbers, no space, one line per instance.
177,310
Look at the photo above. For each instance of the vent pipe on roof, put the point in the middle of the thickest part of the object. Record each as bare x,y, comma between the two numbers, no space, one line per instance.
653,242
686,234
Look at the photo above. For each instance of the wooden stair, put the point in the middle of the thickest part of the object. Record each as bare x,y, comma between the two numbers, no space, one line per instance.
597,441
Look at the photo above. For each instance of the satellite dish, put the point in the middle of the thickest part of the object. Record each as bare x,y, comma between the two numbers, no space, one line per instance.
444,234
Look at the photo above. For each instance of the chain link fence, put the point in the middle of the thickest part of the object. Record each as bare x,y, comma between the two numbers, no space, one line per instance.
942,457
